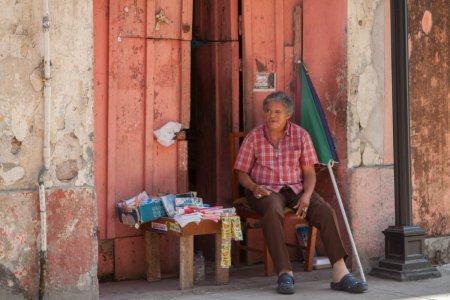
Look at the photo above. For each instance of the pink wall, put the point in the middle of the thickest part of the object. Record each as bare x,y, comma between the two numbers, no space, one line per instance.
324,54
72,248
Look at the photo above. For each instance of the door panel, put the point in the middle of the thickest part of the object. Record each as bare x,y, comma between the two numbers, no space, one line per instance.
216,92
148,86
216,20
127,19
270,46
126,124
178,14
217,110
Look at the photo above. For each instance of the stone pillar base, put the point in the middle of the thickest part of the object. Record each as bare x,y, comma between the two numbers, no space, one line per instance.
404,248
408,275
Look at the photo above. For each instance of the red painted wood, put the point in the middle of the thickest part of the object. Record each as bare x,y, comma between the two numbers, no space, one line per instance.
125,110
185,93
182,167
216,20
127,19
129,258
259,43
101,28
179,14
217,92
150,142
267,27
143,76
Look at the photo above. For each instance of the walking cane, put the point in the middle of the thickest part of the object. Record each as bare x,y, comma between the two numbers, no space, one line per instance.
341,206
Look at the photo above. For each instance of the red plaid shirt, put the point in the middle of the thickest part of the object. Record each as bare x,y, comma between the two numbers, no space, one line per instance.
273,167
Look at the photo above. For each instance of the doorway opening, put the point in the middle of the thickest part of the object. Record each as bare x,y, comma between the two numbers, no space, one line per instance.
216,98
215,103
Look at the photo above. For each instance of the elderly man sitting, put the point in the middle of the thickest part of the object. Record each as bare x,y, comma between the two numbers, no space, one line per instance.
275,164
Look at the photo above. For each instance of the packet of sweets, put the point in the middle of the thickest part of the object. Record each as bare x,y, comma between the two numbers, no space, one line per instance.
169,204
236,228
225,254
226,228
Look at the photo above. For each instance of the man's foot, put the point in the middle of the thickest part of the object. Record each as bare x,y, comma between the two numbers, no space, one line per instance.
286,284
349,284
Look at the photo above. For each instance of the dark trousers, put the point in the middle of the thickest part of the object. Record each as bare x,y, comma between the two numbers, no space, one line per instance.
320,214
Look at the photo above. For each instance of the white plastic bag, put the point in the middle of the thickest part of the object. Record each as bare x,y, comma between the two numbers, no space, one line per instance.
166,133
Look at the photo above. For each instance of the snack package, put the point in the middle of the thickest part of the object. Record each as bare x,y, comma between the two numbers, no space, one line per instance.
225,254
226,228
169,204
236,228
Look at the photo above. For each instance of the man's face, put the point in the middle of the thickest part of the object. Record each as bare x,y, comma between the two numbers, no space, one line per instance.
276,116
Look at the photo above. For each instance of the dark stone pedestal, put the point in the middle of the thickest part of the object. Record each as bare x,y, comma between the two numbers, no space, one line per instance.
404,261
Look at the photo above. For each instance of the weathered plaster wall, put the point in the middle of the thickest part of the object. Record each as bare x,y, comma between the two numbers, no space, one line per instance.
429,74
366,74
72,216
18,250
370,123
371,181
20,96
372,209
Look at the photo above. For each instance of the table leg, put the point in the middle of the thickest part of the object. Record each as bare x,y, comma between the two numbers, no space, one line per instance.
221,273
152,256
186,261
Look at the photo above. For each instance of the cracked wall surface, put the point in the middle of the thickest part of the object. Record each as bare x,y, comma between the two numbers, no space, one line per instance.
366,75
21,101
369,128
371,185
70,179
429,90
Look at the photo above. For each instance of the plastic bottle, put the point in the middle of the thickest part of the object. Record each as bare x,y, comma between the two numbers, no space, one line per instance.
199,266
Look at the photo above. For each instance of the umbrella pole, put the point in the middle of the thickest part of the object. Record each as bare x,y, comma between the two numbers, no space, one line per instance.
341,206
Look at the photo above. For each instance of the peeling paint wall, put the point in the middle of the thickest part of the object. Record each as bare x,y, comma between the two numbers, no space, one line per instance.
71,198
371,178
429,85
372,209
371,184
365,82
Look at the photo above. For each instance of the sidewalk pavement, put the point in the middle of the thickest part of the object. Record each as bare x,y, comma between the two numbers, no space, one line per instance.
247,282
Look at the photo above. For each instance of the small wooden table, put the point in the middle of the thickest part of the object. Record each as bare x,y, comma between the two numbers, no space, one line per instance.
186,235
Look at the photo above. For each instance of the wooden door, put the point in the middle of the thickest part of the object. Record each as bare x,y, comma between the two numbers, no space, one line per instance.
148,85
215,93
271,38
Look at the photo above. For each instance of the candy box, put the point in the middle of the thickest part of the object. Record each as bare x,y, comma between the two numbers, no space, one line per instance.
151,211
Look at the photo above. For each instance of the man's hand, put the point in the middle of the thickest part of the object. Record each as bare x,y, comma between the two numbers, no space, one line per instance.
260,191
246,181
302,206
309,181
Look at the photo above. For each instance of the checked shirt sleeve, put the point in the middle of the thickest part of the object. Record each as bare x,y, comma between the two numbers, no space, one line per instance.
246,156
308,156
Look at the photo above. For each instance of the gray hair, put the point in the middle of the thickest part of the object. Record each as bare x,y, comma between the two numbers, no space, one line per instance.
280,97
